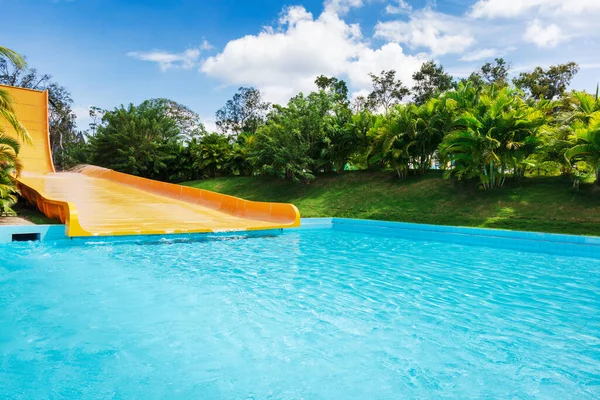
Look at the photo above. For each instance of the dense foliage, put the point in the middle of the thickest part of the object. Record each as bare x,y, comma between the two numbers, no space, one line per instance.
10,165
484,129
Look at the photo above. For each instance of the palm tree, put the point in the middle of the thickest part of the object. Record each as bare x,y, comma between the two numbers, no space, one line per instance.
215,154
396,133
10,166
583,105
587,138
495,137
15,58
7,111
431,122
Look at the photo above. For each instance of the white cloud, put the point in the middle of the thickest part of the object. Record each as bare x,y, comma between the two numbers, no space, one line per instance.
83,116
459,72
438,32
543,35
389,56
210,123
589,65
341,7
516,8
284,60
547,22
292,15
482,54
186,60
402,8
206,45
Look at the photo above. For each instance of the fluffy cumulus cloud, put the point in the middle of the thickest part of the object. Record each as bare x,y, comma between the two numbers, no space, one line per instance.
206,45
486,54
543,35
389,56
516,8
83,116
402,7
426,29
341,7
286,59
283,59
165,60
210,122
555,21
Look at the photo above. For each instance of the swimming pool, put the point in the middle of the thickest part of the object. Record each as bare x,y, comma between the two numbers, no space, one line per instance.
314,314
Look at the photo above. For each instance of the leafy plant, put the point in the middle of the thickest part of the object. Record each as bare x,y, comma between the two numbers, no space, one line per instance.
586,135
494,138
138,140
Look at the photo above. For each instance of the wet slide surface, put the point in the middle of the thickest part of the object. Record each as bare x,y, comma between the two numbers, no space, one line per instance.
96,201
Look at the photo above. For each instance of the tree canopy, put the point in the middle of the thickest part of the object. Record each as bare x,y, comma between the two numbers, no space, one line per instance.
387,90
139,140
549,83
430,80
484,129
10,165
245,112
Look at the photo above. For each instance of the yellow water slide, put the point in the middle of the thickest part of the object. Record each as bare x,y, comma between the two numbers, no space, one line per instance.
94,201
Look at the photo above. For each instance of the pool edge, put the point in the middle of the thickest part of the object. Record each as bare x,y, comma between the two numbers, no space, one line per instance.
550,243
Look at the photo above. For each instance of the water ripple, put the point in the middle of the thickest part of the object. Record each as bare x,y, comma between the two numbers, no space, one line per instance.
316,315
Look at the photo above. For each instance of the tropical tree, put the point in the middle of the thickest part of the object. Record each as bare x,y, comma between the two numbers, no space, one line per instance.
433,120
549,83
396,134
10,165
363,123
12,56
188,121
342,137
581,106
139,140
337,86
215,153
495,73
586,136
430,80
245,112
238,162
490,73
286,145
387,91
494,138
557,134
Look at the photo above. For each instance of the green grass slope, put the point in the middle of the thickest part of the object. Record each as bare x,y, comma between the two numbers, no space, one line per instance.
545,204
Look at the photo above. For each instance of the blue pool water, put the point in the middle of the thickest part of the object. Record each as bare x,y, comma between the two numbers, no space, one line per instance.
314,314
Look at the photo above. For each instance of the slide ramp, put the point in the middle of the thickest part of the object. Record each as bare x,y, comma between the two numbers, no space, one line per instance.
95,201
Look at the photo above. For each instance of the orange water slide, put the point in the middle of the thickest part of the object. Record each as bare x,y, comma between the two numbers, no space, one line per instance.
94,201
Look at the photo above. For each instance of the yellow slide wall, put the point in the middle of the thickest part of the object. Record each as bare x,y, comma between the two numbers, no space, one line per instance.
94,201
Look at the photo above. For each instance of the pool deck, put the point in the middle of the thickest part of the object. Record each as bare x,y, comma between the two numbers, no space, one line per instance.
548,243
14,221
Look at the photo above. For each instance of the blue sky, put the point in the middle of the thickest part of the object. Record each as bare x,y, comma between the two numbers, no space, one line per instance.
199,52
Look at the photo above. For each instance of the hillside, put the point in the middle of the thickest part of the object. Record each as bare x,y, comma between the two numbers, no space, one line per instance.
546,204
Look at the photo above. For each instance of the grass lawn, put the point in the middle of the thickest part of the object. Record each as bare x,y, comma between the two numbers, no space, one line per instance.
545,204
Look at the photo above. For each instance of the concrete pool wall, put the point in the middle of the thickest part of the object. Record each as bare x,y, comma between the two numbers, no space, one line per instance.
549,243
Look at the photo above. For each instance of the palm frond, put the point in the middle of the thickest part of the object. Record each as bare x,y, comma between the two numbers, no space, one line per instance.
13,56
